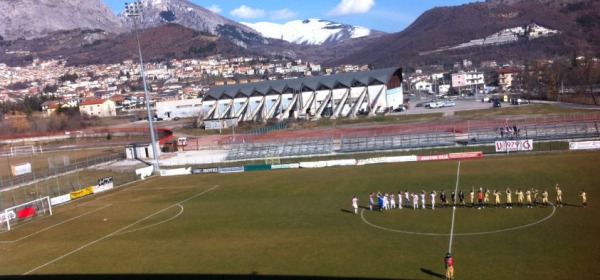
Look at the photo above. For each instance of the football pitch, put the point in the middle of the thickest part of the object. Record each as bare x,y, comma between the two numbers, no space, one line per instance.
300,223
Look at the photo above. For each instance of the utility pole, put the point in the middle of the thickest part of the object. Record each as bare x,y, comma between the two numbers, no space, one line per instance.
134,10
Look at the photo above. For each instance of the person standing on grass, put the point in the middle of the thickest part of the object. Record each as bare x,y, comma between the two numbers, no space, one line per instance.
408,197
472,197
453,198
355,204
433,194
559,202
545,198
423,193
520,198
371,201
461,198
443,198
528,197
399,200
415,201
392,201
380,201
480,198
386,201
583,198
449,266
486,198
508,198
497,198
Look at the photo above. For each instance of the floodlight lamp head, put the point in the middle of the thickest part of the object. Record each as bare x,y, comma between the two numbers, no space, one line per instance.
133,9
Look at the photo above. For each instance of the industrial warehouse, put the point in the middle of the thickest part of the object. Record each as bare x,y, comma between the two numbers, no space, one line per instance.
332,96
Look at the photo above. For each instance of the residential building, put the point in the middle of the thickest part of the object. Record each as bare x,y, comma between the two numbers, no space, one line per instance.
98,107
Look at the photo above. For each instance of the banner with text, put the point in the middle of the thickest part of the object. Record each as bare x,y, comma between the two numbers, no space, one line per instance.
585,145
81,193
514,145
60,199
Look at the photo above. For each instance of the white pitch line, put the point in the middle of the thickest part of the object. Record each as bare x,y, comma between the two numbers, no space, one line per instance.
454,208
458,234
158,223
115,232
50,227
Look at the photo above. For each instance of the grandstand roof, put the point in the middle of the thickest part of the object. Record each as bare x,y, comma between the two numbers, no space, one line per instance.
343,80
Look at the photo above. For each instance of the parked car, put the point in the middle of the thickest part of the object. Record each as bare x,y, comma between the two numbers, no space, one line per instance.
400,108
434,104
449,103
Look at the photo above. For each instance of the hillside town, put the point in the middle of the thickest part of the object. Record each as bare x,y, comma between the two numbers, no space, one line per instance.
118,87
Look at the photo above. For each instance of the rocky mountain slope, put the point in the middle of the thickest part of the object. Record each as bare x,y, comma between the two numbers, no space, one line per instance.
27,19
577,23
187,14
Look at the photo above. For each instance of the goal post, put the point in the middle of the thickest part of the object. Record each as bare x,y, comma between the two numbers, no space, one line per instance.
272,159
58,161
22,150
28,210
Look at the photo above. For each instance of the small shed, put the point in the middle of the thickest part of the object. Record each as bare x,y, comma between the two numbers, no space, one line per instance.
141,150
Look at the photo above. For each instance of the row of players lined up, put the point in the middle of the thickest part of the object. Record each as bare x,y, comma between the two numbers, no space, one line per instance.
529,196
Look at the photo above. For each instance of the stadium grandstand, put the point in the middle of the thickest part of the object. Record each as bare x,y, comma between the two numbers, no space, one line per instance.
333,96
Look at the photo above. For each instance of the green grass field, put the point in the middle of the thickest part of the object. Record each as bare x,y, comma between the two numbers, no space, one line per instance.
300,223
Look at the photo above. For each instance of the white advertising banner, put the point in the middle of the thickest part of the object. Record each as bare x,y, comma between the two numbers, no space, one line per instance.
7,216
514,145
313,164
60,199
144,171
586,145
174,172
21,169
341,162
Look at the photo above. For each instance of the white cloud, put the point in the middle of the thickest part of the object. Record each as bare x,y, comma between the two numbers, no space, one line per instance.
350,7
283,14
246,12
215,8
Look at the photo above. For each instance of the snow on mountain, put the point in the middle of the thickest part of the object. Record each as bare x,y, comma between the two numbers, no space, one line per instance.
310,31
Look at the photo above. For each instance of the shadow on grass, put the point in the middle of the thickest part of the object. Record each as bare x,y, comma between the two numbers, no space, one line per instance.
428,271
347,211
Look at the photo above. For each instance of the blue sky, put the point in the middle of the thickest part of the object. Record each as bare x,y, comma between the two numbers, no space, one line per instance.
383,15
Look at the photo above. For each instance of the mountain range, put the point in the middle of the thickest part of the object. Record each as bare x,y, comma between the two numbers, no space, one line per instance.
86,32
312,31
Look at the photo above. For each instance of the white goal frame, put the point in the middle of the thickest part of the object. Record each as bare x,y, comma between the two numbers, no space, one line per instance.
9,213
24,150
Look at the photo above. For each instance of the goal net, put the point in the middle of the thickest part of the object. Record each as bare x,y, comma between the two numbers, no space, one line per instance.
22,150
272,159
58,161
12,216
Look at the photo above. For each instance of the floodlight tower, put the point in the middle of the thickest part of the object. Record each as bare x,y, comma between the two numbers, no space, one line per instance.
134,11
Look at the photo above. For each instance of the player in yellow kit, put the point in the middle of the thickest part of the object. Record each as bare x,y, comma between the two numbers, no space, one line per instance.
508,198
559,202
545,198
520,198
583,198
528,197
497,198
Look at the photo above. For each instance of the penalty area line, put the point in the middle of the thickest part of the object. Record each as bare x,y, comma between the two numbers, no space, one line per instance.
117,231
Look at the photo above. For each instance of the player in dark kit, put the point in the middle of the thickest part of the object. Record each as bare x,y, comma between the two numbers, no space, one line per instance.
461,198
443,198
